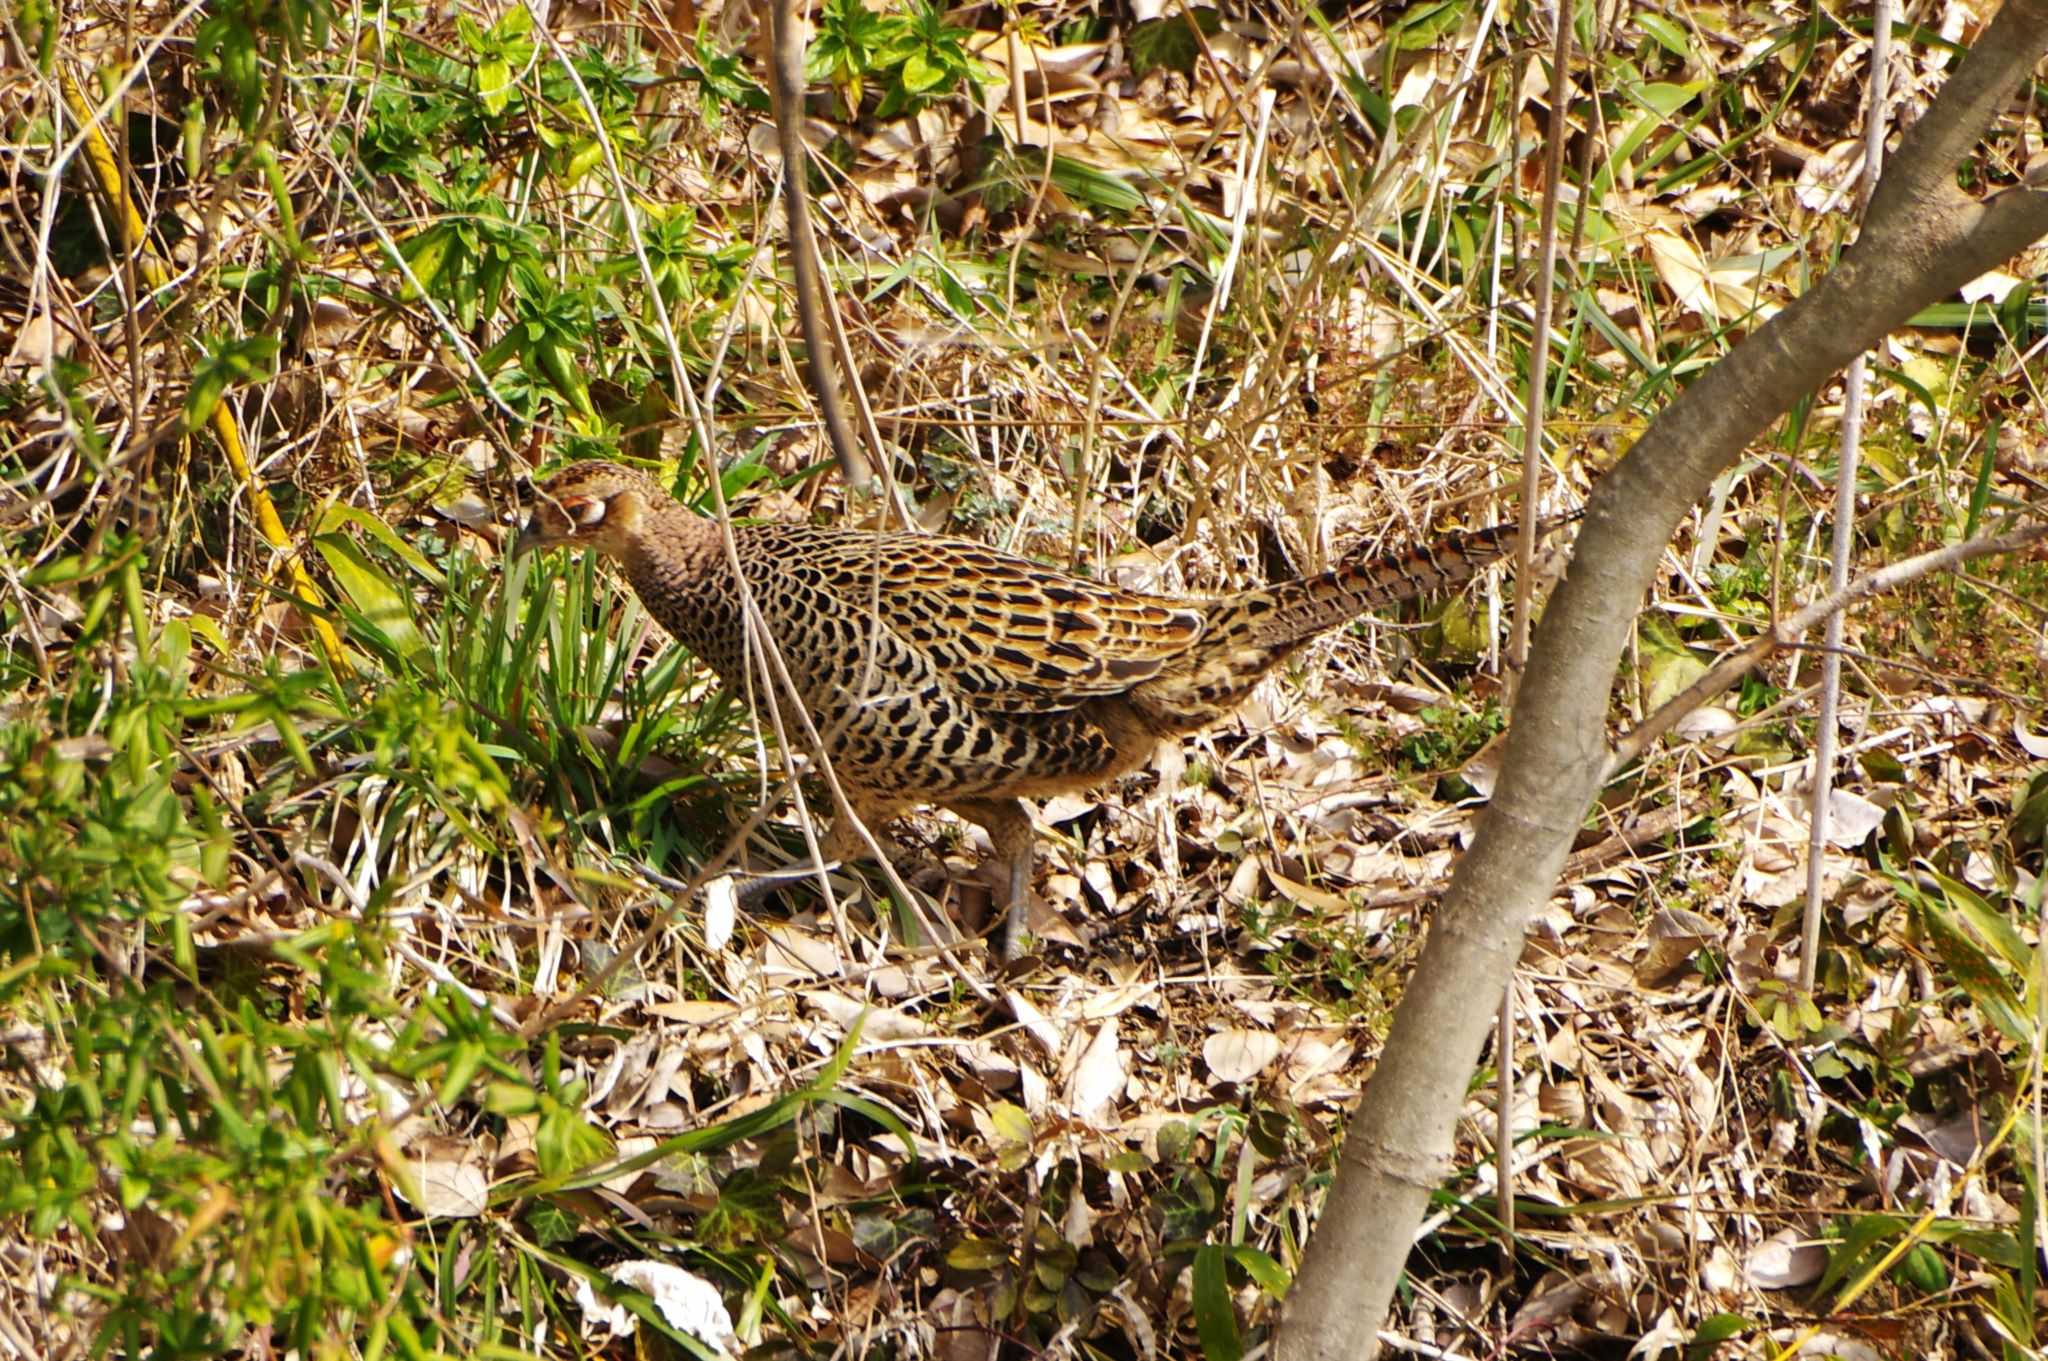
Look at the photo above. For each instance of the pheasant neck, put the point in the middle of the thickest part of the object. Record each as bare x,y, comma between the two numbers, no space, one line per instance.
676,543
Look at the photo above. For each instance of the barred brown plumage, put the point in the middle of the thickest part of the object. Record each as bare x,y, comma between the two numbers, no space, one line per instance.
941,671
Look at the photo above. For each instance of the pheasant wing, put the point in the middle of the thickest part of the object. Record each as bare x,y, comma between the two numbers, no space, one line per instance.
1017,637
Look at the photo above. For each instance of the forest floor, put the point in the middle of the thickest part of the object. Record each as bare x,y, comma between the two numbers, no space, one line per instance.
361,988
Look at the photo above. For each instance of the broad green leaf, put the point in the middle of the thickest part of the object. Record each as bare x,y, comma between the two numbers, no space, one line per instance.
1859,1235
427,253
1669,666
1666,34
372,593
919,74
1215,1320
1715,1329
494,85
1011,1122
1422,25
977,1254
1664,97
336,515
1271,1276
1973,972
1991,925
1097,188
2028,829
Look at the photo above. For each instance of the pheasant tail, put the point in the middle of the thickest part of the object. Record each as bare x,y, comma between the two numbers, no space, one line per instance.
1307,607
1246,635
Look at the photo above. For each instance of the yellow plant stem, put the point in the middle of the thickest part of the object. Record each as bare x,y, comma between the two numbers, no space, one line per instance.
108,172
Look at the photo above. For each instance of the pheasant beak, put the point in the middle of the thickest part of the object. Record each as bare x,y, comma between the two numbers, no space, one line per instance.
531,536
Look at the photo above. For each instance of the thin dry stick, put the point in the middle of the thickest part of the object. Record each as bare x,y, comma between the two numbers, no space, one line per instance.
1525,572
1539,349
1787,632
1826,721
761,646
899,503
2040,1142
786,45
816,312
1251,171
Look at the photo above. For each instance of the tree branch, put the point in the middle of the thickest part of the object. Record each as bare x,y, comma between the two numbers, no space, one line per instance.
787,88
1787,632
1921,239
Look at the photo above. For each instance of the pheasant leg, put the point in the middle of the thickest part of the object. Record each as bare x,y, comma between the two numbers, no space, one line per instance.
1008,824
1019,911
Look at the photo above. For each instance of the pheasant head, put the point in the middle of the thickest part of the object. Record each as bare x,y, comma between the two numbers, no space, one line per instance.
592,505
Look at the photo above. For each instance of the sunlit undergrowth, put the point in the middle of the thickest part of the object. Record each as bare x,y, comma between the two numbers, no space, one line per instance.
349,995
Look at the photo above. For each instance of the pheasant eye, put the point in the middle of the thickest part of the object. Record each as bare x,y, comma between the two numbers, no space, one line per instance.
588,514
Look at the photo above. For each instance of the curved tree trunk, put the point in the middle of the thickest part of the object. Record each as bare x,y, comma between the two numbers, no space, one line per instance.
1921,239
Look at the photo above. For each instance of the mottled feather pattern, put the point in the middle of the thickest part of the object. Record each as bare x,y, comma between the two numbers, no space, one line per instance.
1020,637
946,671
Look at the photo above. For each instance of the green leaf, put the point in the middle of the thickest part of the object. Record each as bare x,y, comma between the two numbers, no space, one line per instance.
373,594
1860,1234
1974,974
1715,1329
1422,25
1096,188
1990,925
879,1114
427,253
1667,35
918,73
1012,1123
1013,1135
510,1098
205,394
335,515
494,84
2028,830
1215,1320
1980,494
1166,42
1923,1269
1271,1276
1669,666
1664,98
582,160
241,360
564,1142
977,1254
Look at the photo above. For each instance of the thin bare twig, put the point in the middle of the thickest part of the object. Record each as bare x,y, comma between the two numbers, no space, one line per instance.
1843,544
1525,573
787,47
1788,630
761,645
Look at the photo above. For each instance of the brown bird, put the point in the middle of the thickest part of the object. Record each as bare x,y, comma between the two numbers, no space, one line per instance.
940,671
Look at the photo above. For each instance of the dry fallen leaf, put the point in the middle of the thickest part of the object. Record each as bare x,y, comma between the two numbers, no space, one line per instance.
1098,1079
1785,1261
1236,1056
688,1303
449,1176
